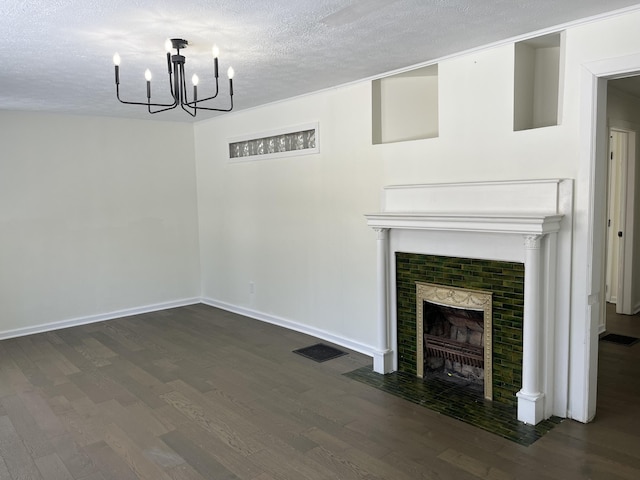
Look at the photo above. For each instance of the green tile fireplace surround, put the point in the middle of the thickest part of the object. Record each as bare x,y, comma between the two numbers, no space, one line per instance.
504,279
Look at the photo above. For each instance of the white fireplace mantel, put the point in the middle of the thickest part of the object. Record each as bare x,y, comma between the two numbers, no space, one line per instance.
525,224
511,221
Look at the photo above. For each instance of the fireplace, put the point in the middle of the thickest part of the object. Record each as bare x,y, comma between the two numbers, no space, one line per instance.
454,335
525,223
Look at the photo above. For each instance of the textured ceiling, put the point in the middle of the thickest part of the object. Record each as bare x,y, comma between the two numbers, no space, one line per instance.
57,53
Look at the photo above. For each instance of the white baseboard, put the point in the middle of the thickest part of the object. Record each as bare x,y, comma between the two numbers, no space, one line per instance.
256,315
47,327
291,325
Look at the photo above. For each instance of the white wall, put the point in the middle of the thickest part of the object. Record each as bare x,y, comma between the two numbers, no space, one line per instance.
295,226
97,216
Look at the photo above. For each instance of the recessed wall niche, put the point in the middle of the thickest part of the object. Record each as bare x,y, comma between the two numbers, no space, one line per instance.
537,82
405,106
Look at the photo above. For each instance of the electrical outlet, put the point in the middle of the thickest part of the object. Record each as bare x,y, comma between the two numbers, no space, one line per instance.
252,288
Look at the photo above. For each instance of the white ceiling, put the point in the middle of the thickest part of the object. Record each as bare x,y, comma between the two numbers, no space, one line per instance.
57,53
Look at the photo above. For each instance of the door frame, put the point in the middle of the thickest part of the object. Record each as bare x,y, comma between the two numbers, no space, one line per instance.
590,232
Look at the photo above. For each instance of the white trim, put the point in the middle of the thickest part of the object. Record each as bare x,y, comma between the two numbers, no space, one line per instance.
521,224
291,325
254,314
101,317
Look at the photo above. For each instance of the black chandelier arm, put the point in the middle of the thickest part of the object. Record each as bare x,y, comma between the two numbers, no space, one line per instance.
210,109
196,103
171,87
208,98
169,105
149,105
193,114
205,99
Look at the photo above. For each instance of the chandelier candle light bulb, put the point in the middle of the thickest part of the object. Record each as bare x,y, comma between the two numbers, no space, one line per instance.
147,75
215,52
116,62
176,70
195,80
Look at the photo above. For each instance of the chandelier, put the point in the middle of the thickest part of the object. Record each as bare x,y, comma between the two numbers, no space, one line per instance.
178,83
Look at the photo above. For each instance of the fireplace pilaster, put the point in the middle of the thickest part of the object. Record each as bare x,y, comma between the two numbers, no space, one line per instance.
530,398
383,356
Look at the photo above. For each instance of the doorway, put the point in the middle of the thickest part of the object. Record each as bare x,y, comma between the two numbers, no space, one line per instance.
590,231
620,213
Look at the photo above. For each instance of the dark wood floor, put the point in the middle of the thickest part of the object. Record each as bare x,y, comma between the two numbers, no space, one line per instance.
197,393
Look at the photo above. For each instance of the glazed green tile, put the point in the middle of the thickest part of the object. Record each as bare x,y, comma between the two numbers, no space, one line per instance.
504,279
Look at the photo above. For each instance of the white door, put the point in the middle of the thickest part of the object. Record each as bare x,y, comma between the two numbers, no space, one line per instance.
617,285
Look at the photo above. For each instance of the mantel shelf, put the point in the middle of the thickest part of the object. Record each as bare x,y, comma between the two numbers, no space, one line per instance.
525,224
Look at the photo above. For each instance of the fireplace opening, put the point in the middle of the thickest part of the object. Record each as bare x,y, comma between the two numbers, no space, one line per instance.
454,335
454,344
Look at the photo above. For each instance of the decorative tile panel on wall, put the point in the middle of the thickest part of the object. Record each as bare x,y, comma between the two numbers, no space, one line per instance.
300,140
504,279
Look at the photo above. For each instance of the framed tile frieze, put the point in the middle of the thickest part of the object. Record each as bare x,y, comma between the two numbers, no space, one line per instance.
285,142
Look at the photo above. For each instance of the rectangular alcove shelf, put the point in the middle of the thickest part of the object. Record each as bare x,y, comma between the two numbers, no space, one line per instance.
405,106
536,92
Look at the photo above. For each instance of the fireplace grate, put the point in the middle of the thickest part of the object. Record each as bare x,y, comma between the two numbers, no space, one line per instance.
454,351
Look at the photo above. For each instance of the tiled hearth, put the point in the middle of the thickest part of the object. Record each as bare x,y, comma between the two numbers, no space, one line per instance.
456,402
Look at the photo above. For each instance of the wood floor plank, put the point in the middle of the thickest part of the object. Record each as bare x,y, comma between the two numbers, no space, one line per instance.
26,427
111,466
135,427
4,471
473,466
52,468
12,380
212,423
137,383
202,462
93,476
132,455
46,420
184,472
235,462
349,458
18,461
27,367
77,462
39,351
